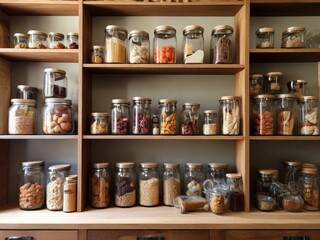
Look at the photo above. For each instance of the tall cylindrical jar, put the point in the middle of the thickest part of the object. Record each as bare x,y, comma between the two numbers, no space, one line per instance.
100,186
164,44
120,116
274,82
264,37
193,44
190,119
309,189
217,173
171,183
285,114
70,194
149,184
55,83
37,39
221,44
141,116
115,44
168,119
230,115
193,179
210,125
138,47
308,123
236,195
31,185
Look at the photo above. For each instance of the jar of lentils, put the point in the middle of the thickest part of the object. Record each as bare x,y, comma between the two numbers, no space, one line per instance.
210,125
120,116
221,44
193,179
115,44
264,37
293,37
171,183
274,82
168,119
285,114
37,39
100,186
308,123
141,115
164,44
230,115
190,119
193,44
149,184
139,47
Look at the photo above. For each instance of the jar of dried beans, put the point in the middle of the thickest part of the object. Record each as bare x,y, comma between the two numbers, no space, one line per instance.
141,115
309,189
230,115
256,84
20,40
73,40
210,125
293,37
97,54
115,44
37,39
264,37
236,196
221,44
139,47
120,116
190,119
193,44
99,123
149,184
56,40
285,114
171,183
100,186
164,44
308,123
193,178
298,87
168,120
55,83
274,82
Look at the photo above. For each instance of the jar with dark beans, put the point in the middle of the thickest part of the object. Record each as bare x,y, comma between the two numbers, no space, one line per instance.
221,44
141,118
120,115
190,119
73,40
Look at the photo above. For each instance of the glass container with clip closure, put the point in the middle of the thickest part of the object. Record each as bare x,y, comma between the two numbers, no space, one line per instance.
193,44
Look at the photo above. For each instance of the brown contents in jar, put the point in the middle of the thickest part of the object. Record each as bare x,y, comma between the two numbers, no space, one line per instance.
99,192
141,124
73,45
191,204
126,200
310,197
189,128
21,45
168,124
285,123
31,196
149,192
223,51
96,59
217,203
58,122
263,123
171,190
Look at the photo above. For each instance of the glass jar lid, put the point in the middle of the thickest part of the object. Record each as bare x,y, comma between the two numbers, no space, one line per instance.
309,165
307,98
264,96
301,81
191,105
171,165
33,164
258,75
229,98
54,70
312,171
58,100
30,102
141,99
193,28
165,29
149,165
218,165
126,165
22,35
233,175
71,178
194,165
120,101
285,95
97,47
166,101
209,112
100,165
72,34
293,29
100,114
269,74
53,34
265,30
27,88
60,167
226,29
111,28
268,171
141,33
36,32
295,164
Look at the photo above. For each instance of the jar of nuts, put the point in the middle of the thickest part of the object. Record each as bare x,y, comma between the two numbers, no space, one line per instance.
308,123
115,44
286,114
164,44
264,37
193,178
274,82
229,115
55,83
99,123
171,183
139,47
190,119
293,37
37,39
31,185
168,119
73,40
193,44
221,44
97,54
100,186
120,116
141,115
20,40
56,40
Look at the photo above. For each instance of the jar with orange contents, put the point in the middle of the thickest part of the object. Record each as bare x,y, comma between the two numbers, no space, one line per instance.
164,44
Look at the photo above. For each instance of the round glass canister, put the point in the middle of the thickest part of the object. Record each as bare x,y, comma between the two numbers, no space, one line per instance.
171,183
57,116
73,40
164,44
221,44
37,39
31,185
100,186
193,44
141,115
274,82
217,173
264,37
125,184
26,92
298,87
149,184
120,116
55,83
139,47
230,115
56,40
256,84
190,119
22,116
285,114
99,123
168,120
193,178
263,114
264,179
115,44
97,54
293,37
236,195
210,122
308,123
20,40
309,189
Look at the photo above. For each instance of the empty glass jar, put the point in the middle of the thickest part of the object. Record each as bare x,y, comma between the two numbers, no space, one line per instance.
193,44
264,37
221,44
217,172
139,47
55,83
115,44
164,44
120,116
190,119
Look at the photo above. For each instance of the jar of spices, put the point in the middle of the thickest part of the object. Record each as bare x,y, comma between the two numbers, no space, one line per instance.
164,44
308,116
217,173
309,188
256,84
149,184
190,119
120,116
56,40
73,40
285,114
297,87
99,123
221,44
37,39
115,44
97,54
31,185
274,82
236,196
264,199
171,183
193,44
139,47
193,178
125,184
168,120
230,115
210,122
263,115
20,40
57,116
55,83
155,125
264,37
290,173
141,115
100,186
293,37
22,116
70,193
26,92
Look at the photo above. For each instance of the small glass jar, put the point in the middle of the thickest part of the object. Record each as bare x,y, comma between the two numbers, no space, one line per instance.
210,122
115,44
290,172
221,44
99,123
57,116
263,115
70,193
171,183
236,195
256,84
37,39
164,44
264,200
31,185
193,44
274,82
120,116
141,115
293,37
149,184
73,40
155,125
285,114
190,119
125,184
97,54
193,179
230,115
168,120
309,189
20,40
26,92
55,83
217,173
56,40
100,186
139,47
308,123
264,37
22,116
298,88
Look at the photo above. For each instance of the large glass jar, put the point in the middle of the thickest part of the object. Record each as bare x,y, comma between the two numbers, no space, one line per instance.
230,115
37,39
31,185
141,115
57,116
193,179
100,186
193,44
168,119
221,44
20,40
236,195
308,123
99,123
73,40
309,189
298,87
125,184
256,84
217,173
22,116
264,37
115,44
264,199
120,116
139,47
274,82
293,37
164,44
190,119
149,184
285,114
56,40
55,83
171,183
210,125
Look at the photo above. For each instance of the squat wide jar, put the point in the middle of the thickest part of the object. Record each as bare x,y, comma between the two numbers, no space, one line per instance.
37,39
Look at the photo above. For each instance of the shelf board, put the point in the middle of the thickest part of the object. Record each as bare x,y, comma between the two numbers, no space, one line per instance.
160,137
285,138
38,137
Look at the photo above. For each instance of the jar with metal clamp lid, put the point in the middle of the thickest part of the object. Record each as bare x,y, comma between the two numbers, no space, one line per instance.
141,115
168,120
139,47
120,116
193,44
221,44
164,44
115,44
190,119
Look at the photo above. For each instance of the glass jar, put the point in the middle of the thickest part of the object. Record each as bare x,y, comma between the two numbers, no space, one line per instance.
285,114
55,179
308,116
221,44
264,199
155,125
171,183
73,40
139,47
100,186
256,84
26,92
57,116
37,39
97,54
125,184
217,173
193,44
297,87
168,120
293,37
120,116
70,193
22,116
274,82
141,115
115,46
164,44
149,184
190,119
290,172
99,123
210,122
55,83
264,37
56,40
31,185
309,189
263,114
236,195
230,115
193,178
20,40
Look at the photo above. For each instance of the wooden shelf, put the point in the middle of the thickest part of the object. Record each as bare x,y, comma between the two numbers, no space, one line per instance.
38,137
285,138
158,137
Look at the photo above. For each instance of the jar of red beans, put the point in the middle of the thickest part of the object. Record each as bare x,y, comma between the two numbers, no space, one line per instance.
120,115
190,119
164,44
141,115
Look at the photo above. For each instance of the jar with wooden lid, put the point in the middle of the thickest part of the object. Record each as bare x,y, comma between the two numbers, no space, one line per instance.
221,44
210,125
120,116
193,44
100,186
55,83
298,87
115,44
190,119
70,193
236,195
141,116
293,37
99,123
149,184
308,123
193,179
56,40
37,39
217,173
26,92
20,40
264,199
139,47
73,40
168,119
164,44
265,37
171,183
97,54
256,84
274,82
285,111
309,189
229,115
290,172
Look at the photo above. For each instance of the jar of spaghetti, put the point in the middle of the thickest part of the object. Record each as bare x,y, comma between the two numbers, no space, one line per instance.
115,44
164,44
221,44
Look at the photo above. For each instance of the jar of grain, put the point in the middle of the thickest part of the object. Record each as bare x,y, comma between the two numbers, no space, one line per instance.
264,37
120,116
293,37
164,44
168,119
210,125
274,82
20,40
141,116
139,47
115,44
97,54
286,114
230,115
308,123
221,44
100,186
193,44
37,39
193,178
298,87
99,123
190,119
73,40
56,40
171,183
256,84
55,83
149,184
70,193
309,189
